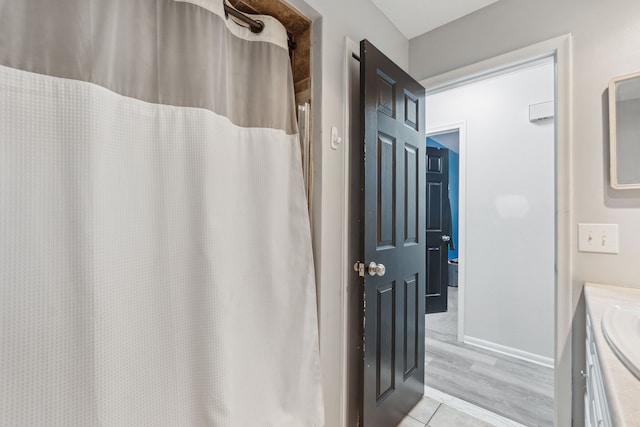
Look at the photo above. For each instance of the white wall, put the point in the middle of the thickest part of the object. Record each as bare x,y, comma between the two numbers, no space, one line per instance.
509,249
337,19
605,45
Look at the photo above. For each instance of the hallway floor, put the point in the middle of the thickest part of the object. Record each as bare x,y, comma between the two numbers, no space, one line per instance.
510,387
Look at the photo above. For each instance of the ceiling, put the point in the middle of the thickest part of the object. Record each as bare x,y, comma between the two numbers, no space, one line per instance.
416,17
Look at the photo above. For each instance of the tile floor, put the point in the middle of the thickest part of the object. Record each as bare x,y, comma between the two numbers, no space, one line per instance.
431,413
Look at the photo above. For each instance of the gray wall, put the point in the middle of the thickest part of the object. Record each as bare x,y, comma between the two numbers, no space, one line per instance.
606,43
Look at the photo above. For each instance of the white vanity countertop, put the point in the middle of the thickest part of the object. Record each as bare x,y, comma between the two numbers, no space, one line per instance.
622,387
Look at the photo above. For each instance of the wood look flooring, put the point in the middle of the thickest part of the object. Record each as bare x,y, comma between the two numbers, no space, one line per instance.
510,387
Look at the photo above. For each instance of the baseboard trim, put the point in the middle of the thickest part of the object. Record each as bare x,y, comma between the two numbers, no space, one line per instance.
547,362
470,409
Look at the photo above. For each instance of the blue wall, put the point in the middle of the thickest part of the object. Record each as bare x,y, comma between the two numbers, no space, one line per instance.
454,189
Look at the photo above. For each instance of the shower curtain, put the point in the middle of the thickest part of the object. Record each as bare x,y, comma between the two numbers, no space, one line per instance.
155,256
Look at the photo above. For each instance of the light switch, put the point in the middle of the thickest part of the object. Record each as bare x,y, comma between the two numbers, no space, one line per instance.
601,238
336,141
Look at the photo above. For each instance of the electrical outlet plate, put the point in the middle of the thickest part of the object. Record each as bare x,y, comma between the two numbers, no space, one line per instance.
599,238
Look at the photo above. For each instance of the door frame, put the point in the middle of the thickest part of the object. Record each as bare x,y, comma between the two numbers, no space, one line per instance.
461,128
559,48
351,376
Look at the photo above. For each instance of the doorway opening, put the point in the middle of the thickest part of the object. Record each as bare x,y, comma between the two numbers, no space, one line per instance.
494,346
447,139
558,49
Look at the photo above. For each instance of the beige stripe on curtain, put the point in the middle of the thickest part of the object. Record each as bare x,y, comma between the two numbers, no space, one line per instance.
161,51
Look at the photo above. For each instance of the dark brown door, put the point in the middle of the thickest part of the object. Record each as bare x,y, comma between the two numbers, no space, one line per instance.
393,199
438,229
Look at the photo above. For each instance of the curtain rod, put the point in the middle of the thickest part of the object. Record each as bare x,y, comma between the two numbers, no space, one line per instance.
255,25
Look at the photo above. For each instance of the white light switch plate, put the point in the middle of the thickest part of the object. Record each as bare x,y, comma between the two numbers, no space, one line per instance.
336,141
601,238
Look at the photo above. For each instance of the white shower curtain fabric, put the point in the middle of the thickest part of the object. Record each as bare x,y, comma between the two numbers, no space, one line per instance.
155,254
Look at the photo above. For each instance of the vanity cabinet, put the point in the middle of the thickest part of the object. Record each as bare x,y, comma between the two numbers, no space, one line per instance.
596,409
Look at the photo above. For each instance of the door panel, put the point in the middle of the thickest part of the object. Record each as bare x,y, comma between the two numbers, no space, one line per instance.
411,110
434,277
385,322
411,184
386,194
393,211
386,88
411,325
438,226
